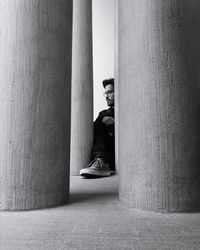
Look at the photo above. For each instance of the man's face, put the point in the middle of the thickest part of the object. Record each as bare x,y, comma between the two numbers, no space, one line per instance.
109,94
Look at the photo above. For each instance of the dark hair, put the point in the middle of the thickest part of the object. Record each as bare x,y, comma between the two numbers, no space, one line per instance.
108,81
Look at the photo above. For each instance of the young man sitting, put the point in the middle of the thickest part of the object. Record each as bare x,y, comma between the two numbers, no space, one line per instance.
103,149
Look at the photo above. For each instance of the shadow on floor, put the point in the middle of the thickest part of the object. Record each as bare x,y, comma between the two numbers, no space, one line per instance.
92,196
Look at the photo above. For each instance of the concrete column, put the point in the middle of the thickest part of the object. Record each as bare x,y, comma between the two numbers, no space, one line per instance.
82,86
35,76
159,144
116,85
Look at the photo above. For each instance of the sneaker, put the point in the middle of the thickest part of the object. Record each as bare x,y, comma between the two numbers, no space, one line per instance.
97,168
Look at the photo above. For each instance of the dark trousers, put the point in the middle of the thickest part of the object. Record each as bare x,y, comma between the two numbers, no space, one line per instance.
104,144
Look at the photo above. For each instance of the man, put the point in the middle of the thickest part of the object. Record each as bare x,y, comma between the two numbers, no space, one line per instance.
103,150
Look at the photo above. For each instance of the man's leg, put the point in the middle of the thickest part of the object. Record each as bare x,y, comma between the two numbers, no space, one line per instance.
99,165
100,147
111,152
104,144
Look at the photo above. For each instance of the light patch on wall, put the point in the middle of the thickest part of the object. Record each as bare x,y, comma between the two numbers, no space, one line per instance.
103,49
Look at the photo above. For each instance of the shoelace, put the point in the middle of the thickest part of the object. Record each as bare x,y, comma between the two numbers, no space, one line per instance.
100,163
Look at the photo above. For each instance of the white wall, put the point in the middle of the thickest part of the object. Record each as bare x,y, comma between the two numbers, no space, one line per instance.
103,49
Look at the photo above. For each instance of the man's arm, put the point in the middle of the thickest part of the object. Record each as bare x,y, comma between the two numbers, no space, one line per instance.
108,120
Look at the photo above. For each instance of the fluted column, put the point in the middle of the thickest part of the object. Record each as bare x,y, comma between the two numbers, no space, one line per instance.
35,76
82,86
116,85
159,144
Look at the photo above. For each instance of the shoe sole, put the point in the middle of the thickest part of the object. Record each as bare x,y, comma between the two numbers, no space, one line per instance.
93,174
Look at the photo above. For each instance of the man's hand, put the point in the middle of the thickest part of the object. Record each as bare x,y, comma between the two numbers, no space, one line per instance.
108,120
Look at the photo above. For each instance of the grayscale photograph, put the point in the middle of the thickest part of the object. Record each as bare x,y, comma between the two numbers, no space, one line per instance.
99,124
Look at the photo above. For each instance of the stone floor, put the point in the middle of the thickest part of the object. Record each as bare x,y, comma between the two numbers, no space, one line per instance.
94,219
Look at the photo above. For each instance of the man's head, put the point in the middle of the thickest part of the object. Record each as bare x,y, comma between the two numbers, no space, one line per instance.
109,91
